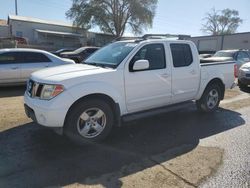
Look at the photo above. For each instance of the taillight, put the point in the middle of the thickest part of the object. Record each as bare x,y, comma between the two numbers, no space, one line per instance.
235,71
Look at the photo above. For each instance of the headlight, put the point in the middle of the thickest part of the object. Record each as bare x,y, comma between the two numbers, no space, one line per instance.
51,91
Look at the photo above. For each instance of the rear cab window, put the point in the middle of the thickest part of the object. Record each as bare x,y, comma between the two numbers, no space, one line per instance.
181,54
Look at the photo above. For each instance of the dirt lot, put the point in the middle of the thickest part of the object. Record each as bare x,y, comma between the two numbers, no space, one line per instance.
156,152
12,111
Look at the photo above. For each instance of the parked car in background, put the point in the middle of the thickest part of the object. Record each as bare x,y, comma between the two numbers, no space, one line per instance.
239,56
17,64
202,56
244,76
58,52
80,54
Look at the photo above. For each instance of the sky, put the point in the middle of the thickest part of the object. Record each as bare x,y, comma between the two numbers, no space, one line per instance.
174,17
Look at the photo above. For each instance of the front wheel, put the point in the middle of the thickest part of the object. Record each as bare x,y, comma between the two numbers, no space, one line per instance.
89,121
210,99
241,85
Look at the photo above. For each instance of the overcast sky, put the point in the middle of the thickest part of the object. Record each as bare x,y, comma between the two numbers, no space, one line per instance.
175,16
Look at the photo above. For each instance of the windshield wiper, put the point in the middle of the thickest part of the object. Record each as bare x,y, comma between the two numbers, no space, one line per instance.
98,64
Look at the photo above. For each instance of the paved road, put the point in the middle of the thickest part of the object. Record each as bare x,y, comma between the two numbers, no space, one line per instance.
235,170
32,156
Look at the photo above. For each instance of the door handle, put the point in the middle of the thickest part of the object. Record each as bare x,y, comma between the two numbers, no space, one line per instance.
192,72
165,75
14,68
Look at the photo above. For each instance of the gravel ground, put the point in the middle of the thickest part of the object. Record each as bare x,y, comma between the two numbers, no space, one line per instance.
235,170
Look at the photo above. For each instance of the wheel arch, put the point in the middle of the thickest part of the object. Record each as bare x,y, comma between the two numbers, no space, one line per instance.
115,106
221,85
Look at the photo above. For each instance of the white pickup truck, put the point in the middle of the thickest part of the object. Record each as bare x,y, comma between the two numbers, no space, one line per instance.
123,81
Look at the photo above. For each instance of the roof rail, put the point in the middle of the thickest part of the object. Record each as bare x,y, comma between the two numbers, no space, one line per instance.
159,36
153,36
125,38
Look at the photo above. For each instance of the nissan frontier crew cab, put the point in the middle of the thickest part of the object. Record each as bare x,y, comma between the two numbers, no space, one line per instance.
123,81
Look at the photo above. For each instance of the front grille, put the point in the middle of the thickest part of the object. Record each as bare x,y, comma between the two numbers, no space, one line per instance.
34,89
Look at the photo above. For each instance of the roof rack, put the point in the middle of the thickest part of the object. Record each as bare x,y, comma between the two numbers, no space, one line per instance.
160,36
152,36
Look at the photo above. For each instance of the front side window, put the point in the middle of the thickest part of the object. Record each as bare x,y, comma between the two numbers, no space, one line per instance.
182,55
154,53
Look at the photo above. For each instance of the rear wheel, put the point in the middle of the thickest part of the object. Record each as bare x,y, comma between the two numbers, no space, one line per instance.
210,99
89,121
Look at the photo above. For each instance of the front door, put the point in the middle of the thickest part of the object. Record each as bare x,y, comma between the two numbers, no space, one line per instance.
149,88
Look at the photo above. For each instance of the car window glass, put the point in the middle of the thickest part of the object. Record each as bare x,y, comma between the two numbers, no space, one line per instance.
154,53
182,55
8,58
32,57
242,56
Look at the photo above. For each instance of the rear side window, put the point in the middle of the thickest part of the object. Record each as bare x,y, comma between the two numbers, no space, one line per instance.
182,55
32,57
154,53
8,58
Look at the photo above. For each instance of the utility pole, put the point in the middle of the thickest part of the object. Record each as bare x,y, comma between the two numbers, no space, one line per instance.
16,6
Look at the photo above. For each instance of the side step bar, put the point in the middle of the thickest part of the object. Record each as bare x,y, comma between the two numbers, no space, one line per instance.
156,111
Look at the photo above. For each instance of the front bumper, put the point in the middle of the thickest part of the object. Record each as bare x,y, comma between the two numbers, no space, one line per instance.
244,77
49,113
245,81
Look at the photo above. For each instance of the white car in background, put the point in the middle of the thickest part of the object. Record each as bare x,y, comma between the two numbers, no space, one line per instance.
17,64
244,76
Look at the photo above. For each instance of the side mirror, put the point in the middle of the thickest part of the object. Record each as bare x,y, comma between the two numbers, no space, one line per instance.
141,65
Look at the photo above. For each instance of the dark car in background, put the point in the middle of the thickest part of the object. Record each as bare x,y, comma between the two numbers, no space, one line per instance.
79,54
58,52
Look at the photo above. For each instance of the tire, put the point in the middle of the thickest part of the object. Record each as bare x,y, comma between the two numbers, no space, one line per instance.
241,85
210,99
90,120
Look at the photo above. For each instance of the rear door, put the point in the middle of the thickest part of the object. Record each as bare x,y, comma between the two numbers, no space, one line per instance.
31,62
185,72
9,68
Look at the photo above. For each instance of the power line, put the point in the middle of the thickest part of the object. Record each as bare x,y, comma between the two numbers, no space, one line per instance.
16,6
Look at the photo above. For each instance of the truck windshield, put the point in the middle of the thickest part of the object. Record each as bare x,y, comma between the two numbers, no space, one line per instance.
111,55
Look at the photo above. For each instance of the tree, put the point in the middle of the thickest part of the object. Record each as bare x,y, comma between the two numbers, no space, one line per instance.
221,22
113,16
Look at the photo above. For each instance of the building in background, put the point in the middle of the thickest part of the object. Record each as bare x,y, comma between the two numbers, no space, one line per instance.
4,29
46,33
211,44
49,35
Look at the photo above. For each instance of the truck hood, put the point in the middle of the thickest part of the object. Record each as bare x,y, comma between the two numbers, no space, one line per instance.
67,72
